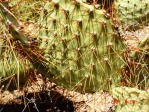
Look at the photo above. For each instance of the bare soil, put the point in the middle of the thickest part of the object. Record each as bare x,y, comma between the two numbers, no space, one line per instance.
47,97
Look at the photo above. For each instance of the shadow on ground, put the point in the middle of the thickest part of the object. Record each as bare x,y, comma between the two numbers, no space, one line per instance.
40,102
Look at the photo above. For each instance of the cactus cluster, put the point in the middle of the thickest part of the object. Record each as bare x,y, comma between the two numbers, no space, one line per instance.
77,45
80,44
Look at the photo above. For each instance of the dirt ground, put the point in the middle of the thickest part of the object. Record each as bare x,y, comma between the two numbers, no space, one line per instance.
44,96
41,96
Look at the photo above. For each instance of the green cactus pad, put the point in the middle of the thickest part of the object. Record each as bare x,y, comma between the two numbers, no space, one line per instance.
130,99
84,50
133,13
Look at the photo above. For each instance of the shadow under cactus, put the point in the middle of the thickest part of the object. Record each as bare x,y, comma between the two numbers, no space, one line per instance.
40,102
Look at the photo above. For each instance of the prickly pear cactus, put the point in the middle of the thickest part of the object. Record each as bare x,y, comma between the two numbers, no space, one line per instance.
80,46
75,46
13,66
130,99
10,64
133,13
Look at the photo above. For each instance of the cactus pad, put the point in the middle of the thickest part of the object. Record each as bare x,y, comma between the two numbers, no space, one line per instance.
133,13
84,49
